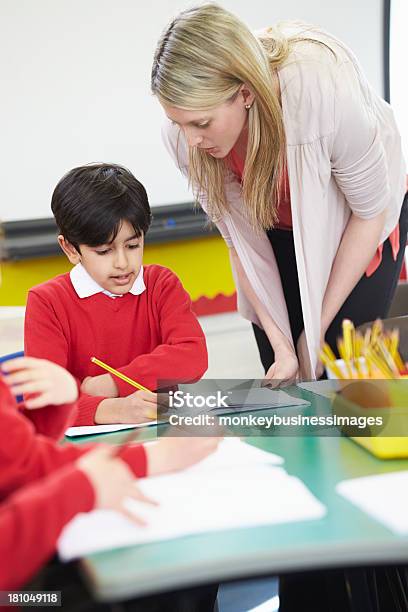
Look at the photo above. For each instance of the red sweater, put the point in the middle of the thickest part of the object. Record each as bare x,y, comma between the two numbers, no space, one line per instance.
41,490
149,337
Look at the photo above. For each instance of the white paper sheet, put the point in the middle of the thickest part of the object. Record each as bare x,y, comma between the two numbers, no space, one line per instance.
91,430
382,496
237,487
234,453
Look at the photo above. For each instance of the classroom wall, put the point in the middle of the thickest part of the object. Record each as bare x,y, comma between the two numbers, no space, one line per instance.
201,264
398,67
77,74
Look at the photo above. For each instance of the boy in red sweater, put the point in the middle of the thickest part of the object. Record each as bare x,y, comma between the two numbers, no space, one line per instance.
136,318
44,485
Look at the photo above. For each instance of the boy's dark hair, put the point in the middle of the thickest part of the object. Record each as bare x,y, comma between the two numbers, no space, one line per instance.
91,202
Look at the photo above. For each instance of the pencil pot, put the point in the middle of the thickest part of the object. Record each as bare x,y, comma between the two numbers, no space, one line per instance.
347,371
374,413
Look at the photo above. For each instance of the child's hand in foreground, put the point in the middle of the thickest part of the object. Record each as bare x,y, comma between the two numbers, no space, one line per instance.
112,481
47,382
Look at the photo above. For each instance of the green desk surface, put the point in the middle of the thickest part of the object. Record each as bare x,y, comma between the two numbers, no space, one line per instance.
345,536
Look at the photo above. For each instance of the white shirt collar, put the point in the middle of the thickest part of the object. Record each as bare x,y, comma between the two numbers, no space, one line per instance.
85,286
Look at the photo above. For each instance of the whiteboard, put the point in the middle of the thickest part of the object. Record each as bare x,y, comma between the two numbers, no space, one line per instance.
398,67
76,77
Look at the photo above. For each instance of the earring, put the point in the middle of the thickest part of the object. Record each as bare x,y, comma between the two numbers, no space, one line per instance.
248,106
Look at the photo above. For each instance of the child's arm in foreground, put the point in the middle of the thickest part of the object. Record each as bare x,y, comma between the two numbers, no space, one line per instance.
32,519
26,456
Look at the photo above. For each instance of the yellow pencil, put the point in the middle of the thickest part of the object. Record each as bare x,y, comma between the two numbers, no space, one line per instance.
367,339
393,341
332,365
359,344
383,351
378,361
328,352
376,330
103,365
348,339
341,349
344,355
399,363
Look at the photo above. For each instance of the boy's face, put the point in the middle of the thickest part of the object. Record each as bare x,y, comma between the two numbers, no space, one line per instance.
113,266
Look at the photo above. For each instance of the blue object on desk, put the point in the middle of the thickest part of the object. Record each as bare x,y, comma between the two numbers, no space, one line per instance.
11,356
19,398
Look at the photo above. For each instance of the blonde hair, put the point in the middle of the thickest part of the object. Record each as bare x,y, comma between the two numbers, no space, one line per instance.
202,59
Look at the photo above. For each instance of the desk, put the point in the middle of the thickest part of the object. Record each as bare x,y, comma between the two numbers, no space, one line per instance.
346,536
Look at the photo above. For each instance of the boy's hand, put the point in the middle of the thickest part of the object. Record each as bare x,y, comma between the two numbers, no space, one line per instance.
100,385
112,480
50,383
172,454
138,407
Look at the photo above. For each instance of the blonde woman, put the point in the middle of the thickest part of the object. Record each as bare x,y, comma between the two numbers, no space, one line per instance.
299,163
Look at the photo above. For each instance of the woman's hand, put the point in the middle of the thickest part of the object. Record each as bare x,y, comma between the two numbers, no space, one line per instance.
112,481
48,382
283,371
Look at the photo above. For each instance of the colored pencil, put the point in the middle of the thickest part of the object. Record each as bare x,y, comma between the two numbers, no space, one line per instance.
111,370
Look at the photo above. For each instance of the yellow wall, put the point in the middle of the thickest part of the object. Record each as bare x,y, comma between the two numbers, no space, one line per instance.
202,265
